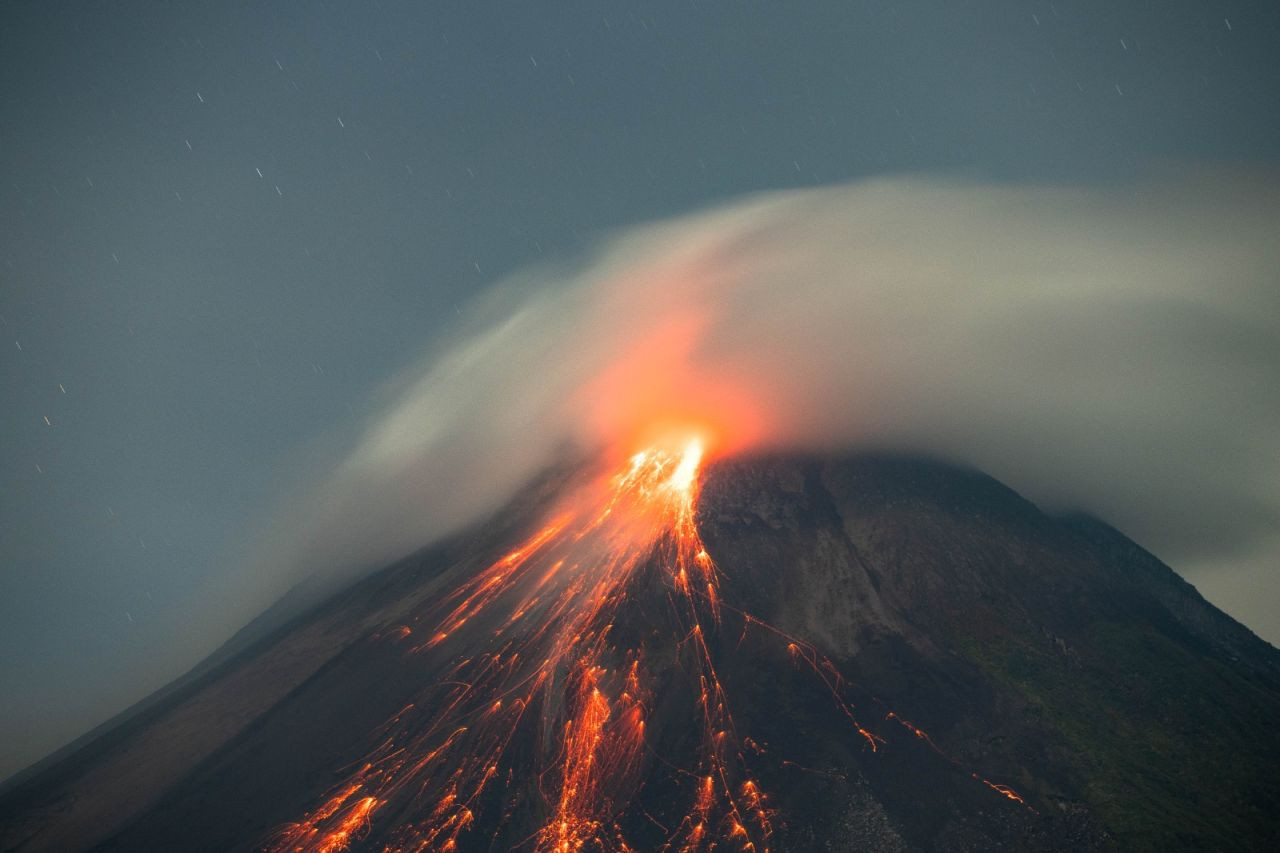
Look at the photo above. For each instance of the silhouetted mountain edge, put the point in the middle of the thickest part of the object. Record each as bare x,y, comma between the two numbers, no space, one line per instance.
1051,654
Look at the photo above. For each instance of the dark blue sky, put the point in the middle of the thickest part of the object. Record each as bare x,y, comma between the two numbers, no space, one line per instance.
225,224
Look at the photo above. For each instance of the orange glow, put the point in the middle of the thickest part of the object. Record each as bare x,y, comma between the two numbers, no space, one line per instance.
602,743
320,832
1004,790
533,630
661,387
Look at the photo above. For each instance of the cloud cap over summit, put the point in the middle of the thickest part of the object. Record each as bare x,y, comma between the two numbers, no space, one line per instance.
1113,351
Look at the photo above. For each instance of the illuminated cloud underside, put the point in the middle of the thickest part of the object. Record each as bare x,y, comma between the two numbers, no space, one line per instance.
1114,351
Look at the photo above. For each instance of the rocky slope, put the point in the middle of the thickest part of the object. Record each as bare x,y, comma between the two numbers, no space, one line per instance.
980,642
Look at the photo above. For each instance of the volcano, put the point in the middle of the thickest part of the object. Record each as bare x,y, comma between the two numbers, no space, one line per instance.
771,653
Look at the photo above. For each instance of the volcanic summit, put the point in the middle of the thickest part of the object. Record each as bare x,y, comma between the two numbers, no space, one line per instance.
870,652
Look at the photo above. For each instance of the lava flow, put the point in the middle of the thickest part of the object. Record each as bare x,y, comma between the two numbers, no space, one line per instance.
537,674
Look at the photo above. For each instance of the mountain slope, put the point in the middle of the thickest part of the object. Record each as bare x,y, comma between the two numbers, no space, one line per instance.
1055,654
988,653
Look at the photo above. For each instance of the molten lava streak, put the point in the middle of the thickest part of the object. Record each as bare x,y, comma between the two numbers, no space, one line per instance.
533,658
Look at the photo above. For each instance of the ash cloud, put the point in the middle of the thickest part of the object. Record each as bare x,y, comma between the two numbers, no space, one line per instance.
1116,351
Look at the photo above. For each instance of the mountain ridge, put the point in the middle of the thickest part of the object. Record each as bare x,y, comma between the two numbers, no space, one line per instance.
1046,653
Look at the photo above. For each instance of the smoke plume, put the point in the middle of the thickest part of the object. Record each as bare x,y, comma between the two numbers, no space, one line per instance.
1114,351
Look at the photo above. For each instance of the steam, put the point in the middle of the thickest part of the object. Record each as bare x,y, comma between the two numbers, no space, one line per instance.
1114,351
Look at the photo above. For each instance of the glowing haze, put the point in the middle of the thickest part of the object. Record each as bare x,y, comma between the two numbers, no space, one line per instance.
1113,351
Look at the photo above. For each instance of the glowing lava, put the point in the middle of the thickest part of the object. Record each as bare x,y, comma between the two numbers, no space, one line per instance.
529,654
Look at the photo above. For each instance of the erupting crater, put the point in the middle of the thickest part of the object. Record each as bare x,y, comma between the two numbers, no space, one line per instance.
543,705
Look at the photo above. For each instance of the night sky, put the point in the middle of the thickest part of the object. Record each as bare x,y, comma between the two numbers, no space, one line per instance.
225,226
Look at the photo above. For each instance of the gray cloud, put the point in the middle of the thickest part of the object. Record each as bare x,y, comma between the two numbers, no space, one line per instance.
1111,350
